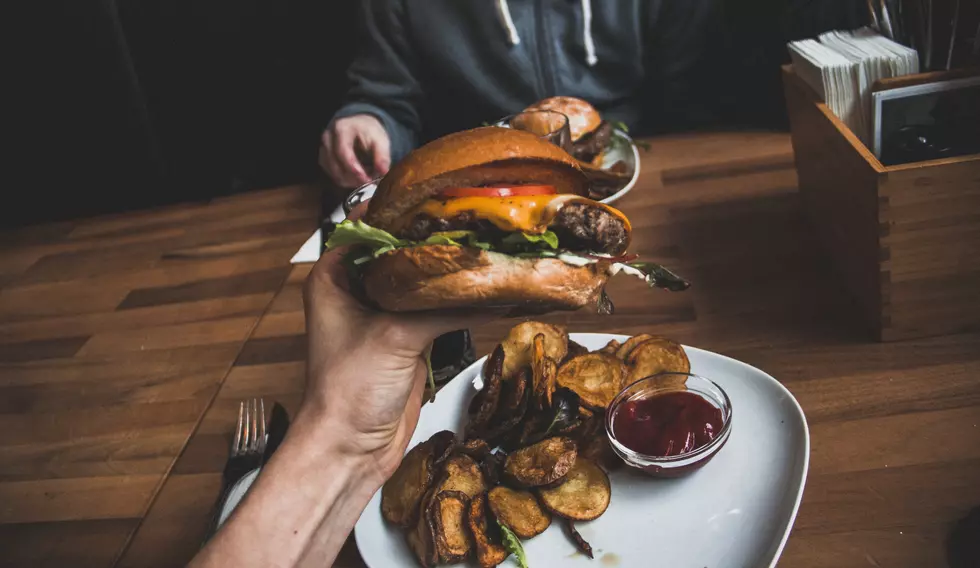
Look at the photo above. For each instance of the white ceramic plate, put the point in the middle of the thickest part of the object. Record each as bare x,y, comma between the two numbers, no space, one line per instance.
736,512
627,153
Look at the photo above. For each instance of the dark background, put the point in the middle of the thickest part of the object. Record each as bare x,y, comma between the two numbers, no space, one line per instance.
119,104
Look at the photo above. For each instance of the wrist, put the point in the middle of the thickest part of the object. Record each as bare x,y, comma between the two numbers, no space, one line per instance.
329,444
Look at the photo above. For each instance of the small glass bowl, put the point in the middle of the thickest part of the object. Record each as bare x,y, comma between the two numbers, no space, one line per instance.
681,464
549,125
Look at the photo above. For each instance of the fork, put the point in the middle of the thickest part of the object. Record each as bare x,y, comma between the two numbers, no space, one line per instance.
246,451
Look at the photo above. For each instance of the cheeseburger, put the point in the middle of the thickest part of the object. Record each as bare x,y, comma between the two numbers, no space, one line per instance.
488,218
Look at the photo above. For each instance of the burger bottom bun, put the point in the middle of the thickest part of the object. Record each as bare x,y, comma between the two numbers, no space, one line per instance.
441,277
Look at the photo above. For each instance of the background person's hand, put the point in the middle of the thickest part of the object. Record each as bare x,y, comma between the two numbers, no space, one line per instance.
354,150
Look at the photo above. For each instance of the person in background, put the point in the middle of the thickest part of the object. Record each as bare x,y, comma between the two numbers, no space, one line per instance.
427,68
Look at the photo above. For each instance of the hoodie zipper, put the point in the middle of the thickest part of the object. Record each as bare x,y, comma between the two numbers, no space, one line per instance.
544,51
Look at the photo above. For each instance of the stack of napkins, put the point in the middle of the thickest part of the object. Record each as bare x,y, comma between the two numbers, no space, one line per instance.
843,66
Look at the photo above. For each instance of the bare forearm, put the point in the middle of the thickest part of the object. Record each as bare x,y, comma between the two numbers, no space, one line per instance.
303,506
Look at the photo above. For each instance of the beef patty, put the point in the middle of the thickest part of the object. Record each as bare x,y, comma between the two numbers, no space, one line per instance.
593,143
579,226
422,225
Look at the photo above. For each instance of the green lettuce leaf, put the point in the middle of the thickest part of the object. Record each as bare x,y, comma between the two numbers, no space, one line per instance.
513,544
546,239
350,233
457,238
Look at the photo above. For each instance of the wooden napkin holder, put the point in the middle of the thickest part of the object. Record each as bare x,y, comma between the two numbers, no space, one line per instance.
904,239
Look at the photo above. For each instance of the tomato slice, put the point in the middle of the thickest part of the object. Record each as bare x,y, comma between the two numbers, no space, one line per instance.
499,191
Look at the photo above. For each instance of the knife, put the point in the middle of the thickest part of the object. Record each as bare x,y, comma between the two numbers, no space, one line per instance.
278,425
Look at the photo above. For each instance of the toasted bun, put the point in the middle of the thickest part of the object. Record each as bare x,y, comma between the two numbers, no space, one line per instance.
445,277
482,156
582,116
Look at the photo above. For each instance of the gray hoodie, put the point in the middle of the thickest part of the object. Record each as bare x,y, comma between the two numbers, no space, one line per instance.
429,67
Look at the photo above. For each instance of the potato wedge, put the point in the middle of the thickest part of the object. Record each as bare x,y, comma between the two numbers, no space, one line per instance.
630,344
574,350
610,347
518,343
583,495
484,403
543,372
461,473
658,355
596,377
489,552
450,534
419,537
519,510
401,494
581,544
541,464
514,401
538,378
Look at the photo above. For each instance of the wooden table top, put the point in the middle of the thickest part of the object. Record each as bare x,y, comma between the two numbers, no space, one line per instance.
126,343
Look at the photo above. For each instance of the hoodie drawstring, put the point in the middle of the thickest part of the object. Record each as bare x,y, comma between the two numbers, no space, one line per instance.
590,56
514,38
503,11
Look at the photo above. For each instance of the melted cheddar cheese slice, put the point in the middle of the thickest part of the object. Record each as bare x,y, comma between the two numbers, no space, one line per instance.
531,213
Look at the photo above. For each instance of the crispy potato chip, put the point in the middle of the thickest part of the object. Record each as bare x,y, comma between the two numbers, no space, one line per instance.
574,350
475,448
401,494
542,463
658,355
610,347
519,510
486,536
420,539
518,343
596,377
630,344
583,495
484,403
492,466
461,473
452,539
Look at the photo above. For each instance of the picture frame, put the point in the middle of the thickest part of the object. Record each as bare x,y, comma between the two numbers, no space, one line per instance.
901,107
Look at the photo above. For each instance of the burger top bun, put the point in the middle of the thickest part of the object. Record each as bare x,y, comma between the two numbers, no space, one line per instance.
471,158
582,116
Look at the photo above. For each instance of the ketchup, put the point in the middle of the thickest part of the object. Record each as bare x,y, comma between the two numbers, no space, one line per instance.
667,424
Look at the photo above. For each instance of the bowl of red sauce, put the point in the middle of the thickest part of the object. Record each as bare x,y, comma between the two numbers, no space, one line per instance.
668,432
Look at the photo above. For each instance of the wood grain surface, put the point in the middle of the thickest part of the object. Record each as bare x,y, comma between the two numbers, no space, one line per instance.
127,343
